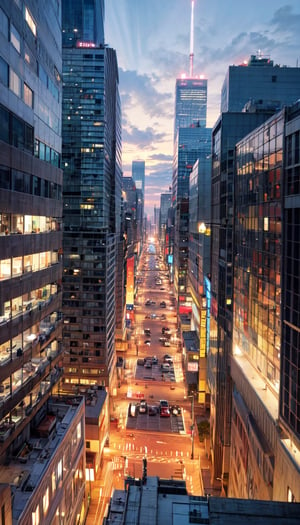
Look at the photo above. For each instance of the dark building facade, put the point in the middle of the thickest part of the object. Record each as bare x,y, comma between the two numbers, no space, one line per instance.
92,196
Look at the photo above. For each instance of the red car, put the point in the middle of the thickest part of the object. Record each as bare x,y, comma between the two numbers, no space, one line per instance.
164,412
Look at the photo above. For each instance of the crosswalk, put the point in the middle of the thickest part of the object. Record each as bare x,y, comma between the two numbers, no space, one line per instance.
128,448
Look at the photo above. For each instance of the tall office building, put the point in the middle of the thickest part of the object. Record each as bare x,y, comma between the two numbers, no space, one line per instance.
138,175
265,356
92,196
228,130
35,428
260,81
190,103
192,143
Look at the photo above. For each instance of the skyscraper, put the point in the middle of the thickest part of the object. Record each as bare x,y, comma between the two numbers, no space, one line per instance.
190,103
260,81
33,441
92,195
138,175
265,354
228,130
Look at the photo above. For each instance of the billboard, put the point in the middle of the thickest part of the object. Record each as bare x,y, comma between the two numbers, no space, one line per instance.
130,282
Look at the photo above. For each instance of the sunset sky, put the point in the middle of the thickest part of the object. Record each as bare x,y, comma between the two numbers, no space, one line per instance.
152,40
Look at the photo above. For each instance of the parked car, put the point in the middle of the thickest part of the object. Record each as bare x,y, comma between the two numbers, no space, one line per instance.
152,411
167,356
163,403
147,342
154,360
165,329
147,331
167,343
164,412
143,406
148,364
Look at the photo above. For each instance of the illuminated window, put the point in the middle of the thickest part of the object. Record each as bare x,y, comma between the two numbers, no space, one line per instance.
36,516
15,38
46,501
14,82
79,431
30,21
28,96
5,269
53,482
59,470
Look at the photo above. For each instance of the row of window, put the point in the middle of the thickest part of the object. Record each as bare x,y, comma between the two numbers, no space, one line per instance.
14,180
35,262
12,34
41,509
11,80
16,223
15,131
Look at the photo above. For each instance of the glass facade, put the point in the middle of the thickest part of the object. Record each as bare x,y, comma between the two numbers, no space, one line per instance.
190,103
257,282
91,160
290,341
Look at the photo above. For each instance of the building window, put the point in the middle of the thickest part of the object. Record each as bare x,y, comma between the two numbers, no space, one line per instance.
36,516
28,96
14,82
290,496
3,72
15,38
30,21
3,23
46,501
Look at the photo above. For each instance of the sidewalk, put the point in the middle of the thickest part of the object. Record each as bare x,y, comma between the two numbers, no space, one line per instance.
202,463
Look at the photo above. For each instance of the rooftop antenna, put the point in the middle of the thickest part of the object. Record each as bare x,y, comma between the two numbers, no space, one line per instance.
192,42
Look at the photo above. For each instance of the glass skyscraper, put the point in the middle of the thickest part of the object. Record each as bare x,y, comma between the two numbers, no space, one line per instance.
92,196
190,103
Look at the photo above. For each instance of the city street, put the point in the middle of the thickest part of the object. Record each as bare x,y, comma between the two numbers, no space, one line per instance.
166,442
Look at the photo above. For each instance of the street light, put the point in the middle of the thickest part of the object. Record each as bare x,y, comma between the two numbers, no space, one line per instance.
193,422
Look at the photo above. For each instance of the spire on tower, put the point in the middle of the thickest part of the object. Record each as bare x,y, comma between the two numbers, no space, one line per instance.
192,42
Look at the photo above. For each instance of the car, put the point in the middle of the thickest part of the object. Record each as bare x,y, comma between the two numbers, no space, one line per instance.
140,362
133,410
148,364
165,329
167,356
147,331
148,303
168,360
162,339
164,412
143,406
153,316
154,360
162,304
163,403
163,317
147,342
152,411
166,343
175,410
162,288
